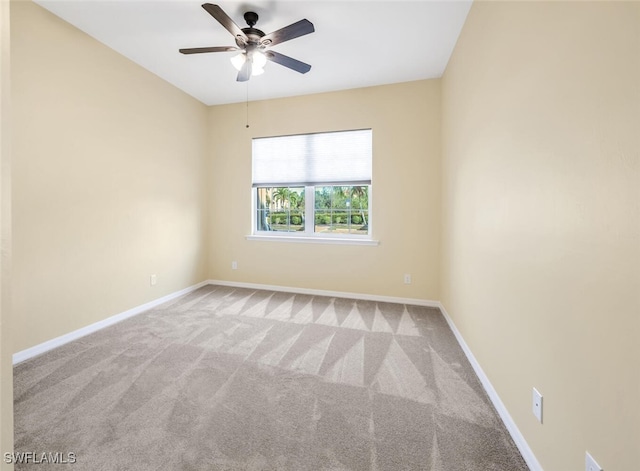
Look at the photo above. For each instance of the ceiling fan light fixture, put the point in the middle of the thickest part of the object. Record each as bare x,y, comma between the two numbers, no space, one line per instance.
259,60
239,60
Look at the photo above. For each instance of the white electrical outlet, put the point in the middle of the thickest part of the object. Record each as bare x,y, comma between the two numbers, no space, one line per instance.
153,279
537,405
407,279
590,464
234,265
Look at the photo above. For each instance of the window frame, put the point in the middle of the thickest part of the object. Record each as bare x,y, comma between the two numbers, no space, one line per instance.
309,232
353,176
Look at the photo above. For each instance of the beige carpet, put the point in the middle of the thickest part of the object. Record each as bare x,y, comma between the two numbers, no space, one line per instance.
240,379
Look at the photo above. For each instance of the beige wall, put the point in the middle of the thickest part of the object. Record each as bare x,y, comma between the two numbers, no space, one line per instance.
541,231
6,347
108,180
405,119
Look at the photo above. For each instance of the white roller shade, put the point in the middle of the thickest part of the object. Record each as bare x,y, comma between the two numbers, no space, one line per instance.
308,159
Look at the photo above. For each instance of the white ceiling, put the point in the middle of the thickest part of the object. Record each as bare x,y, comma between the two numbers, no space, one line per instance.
356,43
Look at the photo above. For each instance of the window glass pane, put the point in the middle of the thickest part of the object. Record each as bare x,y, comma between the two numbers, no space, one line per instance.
342,209
280,209
262,206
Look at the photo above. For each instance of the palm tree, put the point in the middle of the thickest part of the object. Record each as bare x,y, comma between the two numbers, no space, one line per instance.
361,194
301,200
339,195
294,199
281,195
323,197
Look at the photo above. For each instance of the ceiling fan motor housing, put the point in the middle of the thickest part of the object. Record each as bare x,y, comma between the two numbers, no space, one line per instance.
251,18
253,34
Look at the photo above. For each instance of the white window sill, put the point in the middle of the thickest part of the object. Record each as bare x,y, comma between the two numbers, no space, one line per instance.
314,240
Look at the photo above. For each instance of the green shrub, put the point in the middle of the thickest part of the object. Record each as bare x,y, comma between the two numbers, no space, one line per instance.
356,219
340,218
285,218
278,218
323,218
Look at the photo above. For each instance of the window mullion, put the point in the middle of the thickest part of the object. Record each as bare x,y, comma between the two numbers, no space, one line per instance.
309,209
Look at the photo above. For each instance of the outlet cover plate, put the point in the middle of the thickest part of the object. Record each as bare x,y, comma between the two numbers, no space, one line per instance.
590,463
537,404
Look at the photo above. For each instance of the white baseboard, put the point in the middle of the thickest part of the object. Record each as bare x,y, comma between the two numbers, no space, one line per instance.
519,440
333,294
76,334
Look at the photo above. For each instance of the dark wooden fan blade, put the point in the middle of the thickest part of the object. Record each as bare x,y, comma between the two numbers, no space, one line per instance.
245,72
199,50
287,61
287,33
224,20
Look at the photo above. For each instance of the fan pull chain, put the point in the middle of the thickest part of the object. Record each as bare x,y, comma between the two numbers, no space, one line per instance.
247,104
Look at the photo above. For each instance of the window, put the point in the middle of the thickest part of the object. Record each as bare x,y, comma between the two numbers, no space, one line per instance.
313,185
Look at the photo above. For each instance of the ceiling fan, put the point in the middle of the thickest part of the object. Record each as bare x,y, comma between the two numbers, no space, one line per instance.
254,44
